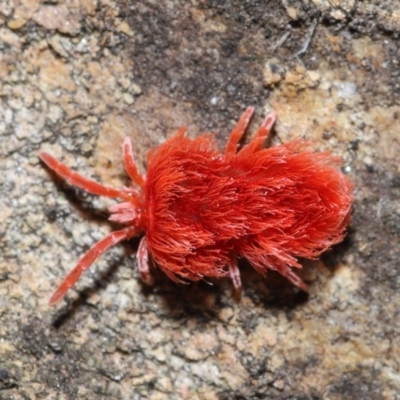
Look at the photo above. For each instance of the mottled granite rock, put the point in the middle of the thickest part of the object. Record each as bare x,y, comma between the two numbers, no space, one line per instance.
76,77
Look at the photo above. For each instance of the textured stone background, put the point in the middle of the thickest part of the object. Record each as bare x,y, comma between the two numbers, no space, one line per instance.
75,78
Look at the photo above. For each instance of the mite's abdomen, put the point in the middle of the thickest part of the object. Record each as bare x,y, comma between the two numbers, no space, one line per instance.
299,208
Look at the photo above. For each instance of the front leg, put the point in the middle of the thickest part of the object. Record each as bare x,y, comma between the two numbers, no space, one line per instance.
87,260
80,181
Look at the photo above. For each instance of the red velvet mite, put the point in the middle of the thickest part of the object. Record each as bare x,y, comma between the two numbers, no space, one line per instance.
199,209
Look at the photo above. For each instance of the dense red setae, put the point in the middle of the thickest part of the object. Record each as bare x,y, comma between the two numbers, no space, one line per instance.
200,208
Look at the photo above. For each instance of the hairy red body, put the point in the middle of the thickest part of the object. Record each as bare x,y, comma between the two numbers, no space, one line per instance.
200,208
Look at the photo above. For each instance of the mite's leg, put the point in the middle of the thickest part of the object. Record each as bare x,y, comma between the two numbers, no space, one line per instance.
237,133
78,180
130,165
143,262
235,276
257,142
181,132
87,260
264,129
294,278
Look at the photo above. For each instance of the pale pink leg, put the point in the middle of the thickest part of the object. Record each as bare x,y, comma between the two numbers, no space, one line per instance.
237,133
87,260
130,165
265,128
257,142
295,279
78,180
143,262
123,213
235,275
181,132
